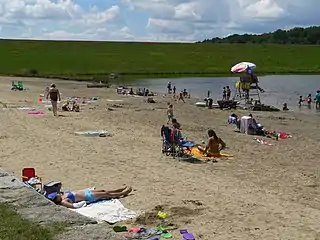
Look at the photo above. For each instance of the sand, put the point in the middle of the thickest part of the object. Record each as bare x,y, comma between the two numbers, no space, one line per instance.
264,192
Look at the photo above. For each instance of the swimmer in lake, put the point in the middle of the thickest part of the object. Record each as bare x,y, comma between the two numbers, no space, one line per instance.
214,145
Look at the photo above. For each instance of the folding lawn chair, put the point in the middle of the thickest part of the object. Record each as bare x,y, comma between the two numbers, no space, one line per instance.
167,143
173,143
30,178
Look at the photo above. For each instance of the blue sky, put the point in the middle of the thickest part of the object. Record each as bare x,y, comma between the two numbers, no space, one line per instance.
150,20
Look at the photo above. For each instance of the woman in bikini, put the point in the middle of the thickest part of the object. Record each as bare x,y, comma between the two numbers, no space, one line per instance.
214,145
77,199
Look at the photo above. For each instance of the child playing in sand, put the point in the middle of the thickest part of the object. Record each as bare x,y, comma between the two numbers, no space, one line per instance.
181,97
170,113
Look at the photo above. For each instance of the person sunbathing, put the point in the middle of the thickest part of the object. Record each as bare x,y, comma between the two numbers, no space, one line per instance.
65,107
78,199
214,145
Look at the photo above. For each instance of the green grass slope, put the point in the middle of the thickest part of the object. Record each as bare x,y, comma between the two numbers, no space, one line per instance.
83,59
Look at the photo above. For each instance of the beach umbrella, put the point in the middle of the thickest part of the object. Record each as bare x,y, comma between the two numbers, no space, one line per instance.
242,67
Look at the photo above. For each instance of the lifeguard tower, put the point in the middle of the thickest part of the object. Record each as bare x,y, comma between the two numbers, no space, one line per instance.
247,89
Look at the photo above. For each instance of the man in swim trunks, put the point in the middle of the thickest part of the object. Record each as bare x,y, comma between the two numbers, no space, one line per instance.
170,113
318,100
77,199
54,95
214,145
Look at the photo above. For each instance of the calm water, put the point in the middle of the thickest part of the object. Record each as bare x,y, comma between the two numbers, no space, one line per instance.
278,89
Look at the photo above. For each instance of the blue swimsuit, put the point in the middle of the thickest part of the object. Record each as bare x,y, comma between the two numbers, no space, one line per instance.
87,195
70,195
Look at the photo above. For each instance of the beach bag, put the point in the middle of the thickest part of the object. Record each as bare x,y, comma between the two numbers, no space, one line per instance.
52,186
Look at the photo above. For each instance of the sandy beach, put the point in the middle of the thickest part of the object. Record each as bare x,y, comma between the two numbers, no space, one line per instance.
263,192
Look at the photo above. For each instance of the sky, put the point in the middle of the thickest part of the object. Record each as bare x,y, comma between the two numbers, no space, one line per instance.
150,20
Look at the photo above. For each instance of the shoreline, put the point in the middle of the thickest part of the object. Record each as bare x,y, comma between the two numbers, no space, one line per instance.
128,77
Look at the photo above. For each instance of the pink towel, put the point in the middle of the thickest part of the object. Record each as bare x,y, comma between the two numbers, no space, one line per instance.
36,113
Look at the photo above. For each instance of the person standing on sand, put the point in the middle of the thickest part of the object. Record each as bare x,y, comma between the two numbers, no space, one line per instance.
228,93
181,97
170,113
224,94
54,95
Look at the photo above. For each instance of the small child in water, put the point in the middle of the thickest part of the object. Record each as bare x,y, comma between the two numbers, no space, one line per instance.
300,101
170,113
309,100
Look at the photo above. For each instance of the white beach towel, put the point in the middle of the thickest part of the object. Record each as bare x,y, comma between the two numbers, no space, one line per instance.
111,211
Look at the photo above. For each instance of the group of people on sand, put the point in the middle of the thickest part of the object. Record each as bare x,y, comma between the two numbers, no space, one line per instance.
181,96
226,93
74,107
309,100
214,144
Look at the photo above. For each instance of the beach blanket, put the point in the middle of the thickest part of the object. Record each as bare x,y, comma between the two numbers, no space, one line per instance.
110,211
94,133
26,108
36,113
195,152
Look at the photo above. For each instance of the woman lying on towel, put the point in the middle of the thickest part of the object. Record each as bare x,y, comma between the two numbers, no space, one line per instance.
78,199
214,145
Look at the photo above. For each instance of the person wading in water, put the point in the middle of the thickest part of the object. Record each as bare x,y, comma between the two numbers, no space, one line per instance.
54,96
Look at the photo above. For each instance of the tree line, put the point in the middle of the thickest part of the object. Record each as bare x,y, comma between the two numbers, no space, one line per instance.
298,35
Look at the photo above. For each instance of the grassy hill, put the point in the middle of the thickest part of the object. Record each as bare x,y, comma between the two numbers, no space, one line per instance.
73,59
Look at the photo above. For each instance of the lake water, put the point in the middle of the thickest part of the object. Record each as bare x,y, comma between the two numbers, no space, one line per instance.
278,88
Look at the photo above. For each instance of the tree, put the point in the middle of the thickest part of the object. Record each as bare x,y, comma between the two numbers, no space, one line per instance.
298,35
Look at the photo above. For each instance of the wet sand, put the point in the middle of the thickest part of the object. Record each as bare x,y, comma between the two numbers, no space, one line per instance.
264,192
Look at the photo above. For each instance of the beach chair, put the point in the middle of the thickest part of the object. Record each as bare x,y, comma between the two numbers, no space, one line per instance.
167,143
30,178
173,143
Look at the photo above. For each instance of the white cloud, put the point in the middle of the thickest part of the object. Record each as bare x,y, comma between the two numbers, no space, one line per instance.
61,19
162,20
